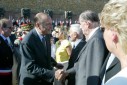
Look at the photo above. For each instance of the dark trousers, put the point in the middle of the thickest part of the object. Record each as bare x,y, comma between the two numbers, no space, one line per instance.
6,79
71,79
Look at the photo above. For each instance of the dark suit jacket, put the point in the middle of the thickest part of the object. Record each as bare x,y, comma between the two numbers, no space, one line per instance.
72,60
6,55
12,38
36,66
91,59
114,68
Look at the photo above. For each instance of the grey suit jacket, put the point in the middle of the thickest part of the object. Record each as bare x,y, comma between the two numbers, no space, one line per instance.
36,66
90,60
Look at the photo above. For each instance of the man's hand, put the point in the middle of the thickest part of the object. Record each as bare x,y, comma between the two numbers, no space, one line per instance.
60,75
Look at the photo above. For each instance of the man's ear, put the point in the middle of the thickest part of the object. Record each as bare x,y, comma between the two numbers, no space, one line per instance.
89,24
114,37
75,34
37,24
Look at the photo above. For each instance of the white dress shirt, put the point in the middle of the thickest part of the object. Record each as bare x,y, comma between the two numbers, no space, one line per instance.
93,31
75,43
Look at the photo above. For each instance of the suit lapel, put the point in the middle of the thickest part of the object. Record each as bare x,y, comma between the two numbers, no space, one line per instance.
78,46
81,52
37,39
4,43
102,72
115,61
87,43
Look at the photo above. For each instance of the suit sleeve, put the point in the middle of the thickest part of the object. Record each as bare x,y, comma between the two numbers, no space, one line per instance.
73,69
31,66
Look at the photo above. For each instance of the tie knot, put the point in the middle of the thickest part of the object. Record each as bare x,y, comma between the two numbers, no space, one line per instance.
6,41
73,46
43,38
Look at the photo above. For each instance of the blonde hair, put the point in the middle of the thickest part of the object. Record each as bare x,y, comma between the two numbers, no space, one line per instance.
114,16
61,30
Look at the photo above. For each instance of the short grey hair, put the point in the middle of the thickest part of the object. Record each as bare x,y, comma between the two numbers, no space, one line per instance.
89,15
76,28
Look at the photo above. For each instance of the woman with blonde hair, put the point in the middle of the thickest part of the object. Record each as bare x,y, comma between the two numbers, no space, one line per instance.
114,22
63,46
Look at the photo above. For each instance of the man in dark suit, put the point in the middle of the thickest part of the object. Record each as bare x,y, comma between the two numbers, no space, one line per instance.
36,68
92,55
6,55
110,67
76,36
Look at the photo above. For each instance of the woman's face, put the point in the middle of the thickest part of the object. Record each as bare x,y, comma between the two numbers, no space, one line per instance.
108,39
60,35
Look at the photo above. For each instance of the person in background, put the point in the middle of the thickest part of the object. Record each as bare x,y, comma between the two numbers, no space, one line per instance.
6,54
63,46
25,28
54,36
76,37
115,36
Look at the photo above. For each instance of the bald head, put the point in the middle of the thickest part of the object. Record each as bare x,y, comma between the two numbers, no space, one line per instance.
40,17
43,23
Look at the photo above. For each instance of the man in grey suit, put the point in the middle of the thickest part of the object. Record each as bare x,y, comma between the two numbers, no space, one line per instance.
36,62
92,55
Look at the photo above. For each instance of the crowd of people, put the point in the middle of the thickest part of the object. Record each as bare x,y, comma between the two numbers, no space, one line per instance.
91,52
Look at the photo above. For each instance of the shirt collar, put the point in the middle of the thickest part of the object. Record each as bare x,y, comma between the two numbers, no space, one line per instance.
40,36
93,31
76,42
3,37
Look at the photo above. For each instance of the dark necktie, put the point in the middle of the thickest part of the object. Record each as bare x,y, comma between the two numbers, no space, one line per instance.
9,44
44,43
74,46
6,41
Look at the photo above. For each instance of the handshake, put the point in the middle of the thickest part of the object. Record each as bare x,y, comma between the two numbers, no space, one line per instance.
60,75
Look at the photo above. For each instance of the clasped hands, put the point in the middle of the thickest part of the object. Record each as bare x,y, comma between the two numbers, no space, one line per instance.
60,74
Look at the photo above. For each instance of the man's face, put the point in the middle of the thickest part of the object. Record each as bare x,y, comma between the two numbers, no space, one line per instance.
72,35
46,28
6,31
84,27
